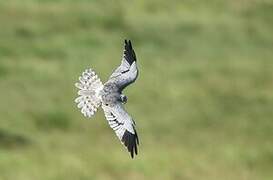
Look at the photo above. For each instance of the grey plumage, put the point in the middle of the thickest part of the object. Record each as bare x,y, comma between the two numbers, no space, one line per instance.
110,97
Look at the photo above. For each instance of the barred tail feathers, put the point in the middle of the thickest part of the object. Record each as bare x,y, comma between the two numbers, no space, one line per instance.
89,99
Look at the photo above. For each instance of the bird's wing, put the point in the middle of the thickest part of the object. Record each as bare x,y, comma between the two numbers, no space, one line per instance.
123,125
127,72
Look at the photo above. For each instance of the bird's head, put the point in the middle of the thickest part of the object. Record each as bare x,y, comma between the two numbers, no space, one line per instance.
123,98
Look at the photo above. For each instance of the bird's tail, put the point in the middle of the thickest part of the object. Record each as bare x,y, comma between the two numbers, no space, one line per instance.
89,86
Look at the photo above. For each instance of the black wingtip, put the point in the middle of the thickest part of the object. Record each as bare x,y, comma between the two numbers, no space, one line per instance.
128,44
130,141
129,52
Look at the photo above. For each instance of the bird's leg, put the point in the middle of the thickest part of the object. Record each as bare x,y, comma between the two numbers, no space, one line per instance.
123,98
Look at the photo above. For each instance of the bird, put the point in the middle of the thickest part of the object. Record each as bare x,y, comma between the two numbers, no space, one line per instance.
93,94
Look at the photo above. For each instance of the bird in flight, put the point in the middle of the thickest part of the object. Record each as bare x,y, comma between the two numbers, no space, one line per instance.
93,94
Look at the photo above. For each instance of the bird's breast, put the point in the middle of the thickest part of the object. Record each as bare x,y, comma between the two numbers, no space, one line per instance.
110,94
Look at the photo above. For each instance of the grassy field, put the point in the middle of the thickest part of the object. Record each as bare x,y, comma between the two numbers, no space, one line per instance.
203,102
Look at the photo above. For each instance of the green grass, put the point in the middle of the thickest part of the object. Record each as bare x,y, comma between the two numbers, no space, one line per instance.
203,102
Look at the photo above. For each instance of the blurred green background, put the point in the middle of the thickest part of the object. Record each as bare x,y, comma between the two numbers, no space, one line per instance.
203,102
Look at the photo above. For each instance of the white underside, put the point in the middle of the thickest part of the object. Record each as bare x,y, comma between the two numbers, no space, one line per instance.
89,99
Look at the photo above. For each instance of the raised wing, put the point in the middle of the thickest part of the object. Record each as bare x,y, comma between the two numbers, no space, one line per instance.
127,72
89,88
123,125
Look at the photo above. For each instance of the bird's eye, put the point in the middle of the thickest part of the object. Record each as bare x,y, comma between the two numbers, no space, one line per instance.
106,104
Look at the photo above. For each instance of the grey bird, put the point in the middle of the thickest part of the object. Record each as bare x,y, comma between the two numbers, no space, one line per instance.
93,94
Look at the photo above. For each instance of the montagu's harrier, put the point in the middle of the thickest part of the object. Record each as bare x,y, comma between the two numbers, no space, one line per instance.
93,94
